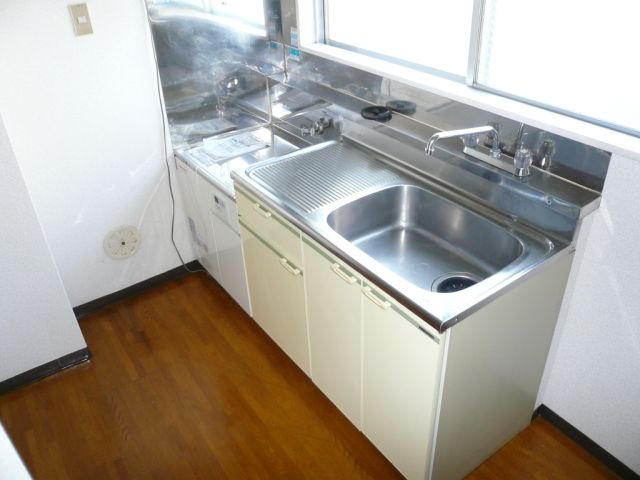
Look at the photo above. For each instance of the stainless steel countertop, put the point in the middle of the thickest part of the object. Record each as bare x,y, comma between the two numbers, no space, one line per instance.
218,173
440,310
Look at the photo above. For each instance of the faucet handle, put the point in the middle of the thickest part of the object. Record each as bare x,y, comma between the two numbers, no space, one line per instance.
522,161
545,153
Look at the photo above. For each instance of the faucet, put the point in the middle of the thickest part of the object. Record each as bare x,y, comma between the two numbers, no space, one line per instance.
517,166
319,126
469,138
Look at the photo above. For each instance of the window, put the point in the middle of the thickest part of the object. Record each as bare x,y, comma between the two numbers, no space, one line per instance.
430,35
578,57
573,57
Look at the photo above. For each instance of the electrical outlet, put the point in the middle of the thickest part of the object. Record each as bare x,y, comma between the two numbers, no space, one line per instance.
80,18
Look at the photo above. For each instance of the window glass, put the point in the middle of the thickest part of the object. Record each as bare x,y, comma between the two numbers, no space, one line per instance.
430,35
574,56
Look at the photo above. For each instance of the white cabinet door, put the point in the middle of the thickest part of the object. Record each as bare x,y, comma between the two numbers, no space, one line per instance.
231,262
276,289
334,315
401,367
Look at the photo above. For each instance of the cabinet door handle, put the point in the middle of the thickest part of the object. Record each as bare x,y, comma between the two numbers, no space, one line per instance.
383,304
263,212
288,267
344,276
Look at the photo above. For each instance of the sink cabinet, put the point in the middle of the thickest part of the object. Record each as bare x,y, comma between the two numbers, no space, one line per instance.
276,284
373,359
334,311
436,404
400,379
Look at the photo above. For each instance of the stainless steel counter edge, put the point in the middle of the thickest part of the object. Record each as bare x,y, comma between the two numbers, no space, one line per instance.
438,321
206,175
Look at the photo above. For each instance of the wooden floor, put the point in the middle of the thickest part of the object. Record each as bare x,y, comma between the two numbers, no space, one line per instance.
183,385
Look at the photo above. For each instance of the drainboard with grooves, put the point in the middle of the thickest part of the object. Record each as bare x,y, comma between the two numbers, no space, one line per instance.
314,179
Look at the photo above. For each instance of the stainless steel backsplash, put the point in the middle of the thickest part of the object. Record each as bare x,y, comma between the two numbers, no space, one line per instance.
196,54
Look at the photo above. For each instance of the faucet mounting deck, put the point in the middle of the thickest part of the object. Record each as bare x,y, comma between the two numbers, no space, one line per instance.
518,166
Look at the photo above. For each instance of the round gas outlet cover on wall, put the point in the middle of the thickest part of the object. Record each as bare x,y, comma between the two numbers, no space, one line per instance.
122,242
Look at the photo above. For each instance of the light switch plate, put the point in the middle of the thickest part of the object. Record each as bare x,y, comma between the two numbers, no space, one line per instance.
80,18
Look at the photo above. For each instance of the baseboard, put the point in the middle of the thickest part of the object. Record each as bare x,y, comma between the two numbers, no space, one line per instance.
45,370
80,311
585,442
99,303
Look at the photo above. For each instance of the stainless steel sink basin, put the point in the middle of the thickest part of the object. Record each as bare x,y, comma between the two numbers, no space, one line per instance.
425,238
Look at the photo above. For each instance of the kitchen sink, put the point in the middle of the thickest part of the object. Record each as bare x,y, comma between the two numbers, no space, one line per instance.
424,238
442,256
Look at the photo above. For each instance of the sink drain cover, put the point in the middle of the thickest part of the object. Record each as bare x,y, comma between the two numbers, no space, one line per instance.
453,283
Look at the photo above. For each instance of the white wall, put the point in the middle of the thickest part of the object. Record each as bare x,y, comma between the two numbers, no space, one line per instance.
592,378
84,120
37,324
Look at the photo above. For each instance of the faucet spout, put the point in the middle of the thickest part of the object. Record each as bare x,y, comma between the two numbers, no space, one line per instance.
468,135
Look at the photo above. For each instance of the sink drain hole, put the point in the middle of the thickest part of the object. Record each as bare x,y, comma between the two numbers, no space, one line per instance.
453,283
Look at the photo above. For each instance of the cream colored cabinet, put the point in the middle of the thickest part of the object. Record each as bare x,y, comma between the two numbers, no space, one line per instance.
335,328
387,370
272,255
373,359
278,233
400,378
